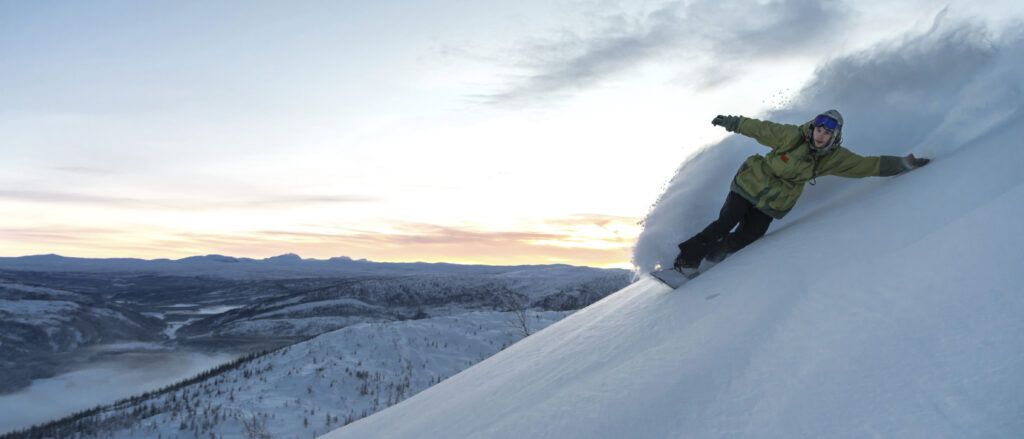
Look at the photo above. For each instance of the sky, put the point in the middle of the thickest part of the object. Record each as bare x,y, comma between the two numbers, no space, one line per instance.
505,132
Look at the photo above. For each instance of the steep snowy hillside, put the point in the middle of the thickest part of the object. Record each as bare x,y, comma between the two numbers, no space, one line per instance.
323,306
882,308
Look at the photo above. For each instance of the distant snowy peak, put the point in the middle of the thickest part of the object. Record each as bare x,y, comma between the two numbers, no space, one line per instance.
288,258
213,258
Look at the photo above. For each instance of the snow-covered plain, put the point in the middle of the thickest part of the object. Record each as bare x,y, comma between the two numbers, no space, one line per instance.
879,308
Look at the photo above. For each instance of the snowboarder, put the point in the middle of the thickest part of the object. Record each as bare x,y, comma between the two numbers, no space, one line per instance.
766,187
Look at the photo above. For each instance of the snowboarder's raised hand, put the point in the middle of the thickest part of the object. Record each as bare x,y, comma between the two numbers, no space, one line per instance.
911,162
730,123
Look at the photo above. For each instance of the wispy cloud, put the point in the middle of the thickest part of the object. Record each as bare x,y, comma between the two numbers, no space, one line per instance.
67,197
707,39
85,170
198,203
611,231
584,240
573,61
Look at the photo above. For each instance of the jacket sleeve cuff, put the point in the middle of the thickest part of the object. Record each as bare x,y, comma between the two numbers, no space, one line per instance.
891,165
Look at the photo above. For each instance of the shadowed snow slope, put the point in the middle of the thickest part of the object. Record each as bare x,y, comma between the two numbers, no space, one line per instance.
890,309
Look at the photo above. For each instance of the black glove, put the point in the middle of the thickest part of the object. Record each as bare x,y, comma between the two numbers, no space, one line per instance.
911,162
730,123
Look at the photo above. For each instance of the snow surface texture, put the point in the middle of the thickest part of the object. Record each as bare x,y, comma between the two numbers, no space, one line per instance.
878,308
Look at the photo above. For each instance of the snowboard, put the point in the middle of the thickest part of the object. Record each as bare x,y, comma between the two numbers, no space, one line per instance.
671,277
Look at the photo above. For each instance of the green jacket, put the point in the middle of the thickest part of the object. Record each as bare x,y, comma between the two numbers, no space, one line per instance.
774,182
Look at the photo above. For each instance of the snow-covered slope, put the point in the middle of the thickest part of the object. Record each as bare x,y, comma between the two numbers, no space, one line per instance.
882,308
48,330
38,325
307,388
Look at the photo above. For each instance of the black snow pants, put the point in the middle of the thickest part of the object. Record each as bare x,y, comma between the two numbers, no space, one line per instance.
716,237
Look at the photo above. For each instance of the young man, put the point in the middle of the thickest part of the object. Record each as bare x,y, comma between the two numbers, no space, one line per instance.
766,187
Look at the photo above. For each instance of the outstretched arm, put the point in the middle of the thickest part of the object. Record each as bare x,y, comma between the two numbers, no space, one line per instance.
768,133
845,163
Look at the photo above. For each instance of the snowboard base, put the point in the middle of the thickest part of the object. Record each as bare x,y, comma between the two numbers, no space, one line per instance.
671,277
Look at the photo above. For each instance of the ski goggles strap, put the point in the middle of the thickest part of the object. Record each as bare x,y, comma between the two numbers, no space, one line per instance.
825,121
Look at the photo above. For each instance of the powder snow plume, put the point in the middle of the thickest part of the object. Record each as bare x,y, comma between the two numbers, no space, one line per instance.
929,94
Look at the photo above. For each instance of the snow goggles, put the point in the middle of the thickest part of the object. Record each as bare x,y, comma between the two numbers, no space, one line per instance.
825,121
